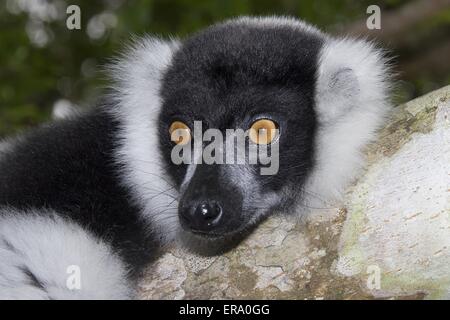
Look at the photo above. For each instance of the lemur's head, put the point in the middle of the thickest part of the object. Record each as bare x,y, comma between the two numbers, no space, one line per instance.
308,101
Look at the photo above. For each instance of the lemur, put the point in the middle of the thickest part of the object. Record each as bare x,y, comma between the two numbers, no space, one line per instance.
99,191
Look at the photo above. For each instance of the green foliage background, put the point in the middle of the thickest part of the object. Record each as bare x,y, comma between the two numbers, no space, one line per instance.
33,77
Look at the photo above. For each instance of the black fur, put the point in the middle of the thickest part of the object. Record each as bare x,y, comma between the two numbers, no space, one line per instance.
68,166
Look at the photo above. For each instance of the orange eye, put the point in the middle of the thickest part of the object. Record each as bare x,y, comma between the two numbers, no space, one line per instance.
263,131
179,133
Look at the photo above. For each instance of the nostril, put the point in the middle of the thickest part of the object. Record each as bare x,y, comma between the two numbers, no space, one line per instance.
208,212
217,209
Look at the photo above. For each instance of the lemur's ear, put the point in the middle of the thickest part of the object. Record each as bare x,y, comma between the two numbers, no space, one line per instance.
351,74
352,101
338,89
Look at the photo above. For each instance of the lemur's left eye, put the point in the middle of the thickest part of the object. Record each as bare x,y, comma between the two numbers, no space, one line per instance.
263,131
179,132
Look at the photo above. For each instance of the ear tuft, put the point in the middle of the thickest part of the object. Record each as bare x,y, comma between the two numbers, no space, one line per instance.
338,92
352,74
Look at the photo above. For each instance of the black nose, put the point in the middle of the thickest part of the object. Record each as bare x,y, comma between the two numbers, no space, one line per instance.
202,216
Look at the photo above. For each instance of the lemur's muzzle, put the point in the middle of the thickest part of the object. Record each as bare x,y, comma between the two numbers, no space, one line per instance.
210,205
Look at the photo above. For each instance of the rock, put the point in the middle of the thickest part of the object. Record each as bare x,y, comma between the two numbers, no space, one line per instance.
390,238
398,219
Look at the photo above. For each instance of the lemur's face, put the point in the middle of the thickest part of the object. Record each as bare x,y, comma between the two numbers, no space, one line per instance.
240,77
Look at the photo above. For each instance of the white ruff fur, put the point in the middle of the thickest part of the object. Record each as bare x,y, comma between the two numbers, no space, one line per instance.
352,102
137,75
46,246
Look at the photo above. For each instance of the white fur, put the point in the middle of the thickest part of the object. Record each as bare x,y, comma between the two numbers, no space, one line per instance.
351,103
276,21
4,146
46,245
137,75
64,109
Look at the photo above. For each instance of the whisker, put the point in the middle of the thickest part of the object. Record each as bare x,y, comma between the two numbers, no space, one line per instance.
160,165
164,192
157,175
165,219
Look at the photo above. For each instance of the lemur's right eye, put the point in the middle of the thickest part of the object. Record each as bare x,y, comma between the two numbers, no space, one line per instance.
179,132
